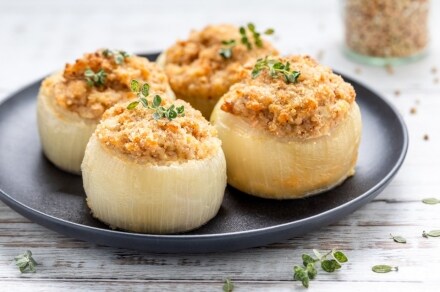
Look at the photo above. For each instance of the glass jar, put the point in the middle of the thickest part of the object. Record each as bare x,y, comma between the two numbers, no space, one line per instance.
386,32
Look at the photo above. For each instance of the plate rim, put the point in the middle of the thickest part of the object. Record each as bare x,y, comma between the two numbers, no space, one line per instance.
28,212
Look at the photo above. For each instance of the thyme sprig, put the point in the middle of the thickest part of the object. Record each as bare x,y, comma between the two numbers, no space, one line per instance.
119,56
95,79
25,262
276,68
308,271
228,45
142,92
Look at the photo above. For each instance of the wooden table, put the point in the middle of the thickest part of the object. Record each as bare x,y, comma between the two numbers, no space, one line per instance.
38,37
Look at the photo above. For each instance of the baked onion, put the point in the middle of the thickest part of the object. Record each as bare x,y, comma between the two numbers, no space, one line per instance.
147,174
70,103
200,74
288,139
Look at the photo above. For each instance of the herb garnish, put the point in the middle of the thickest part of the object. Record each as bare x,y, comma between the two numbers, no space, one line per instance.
398,239
143,91
308,271
276,68
228,286
119,56
255,34
431,201
25,262
226,51
95,79
384,269
432,233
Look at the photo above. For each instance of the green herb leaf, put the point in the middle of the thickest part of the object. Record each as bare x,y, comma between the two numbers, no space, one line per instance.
133,105
95,79
144,102
135,86
307,259
432,233
180,109
299,274
228,286
384,269
431,201
311,270
269,31
25,262
339,256
398,239
330,265
157,100
276,68
145,89
142,92
118,56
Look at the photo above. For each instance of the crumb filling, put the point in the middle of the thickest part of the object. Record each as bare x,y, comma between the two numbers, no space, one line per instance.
309,108
196,69
135,133
73,93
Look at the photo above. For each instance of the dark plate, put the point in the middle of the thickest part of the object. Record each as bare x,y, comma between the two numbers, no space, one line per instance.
35,188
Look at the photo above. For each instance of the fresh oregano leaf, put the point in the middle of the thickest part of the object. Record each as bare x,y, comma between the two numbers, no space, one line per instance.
228,286
431,201
133,105
432,233
135,86
25,262
145,89
307,259
339,256
299,274
157,100
311,270
398,238
330,265
384,268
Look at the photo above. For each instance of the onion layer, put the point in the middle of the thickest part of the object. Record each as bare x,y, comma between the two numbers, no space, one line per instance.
149,198
64,135
266,166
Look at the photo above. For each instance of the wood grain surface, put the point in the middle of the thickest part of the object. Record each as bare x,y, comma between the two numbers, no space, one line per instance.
38,37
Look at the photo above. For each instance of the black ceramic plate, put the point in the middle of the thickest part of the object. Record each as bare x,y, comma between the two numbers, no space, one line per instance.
35,188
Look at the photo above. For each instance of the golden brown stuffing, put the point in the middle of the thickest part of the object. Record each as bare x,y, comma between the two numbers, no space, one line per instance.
308,108
73,93
195,68
137,134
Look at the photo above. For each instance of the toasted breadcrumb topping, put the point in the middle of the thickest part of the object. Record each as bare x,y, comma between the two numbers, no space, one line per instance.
196,69
137,134
309,108
74,94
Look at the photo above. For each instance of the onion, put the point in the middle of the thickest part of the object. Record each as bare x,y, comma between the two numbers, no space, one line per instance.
64,134
204,105
267,166
152,198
